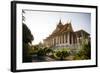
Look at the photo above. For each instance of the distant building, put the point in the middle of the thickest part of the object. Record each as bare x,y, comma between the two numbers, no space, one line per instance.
65,36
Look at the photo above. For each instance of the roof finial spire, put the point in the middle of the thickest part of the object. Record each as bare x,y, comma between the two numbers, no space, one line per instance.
60,21
69,21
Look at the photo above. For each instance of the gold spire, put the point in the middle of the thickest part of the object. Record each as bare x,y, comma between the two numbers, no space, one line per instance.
69,21
60,21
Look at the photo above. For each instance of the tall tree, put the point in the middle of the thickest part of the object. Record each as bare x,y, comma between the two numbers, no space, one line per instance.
27,39
27,35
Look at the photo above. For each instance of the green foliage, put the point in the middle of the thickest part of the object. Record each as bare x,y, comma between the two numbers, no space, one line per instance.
84,53
26,52
41,52
48,50
36,48
27,38
61,54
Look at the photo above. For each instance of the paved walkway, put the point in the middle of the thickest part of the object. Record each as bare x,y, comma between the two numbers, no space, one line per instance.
36,58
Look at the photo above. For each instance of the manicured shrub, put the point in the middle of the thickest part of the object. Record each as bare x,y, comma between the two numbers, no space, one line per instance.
61,55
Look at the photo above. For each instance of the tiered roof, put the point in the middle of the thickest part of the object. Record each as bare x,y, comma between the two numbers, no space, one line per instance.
61,29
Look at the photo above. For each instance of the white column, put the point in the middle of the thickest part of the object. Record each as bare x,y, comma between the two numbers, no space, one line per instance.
68,38
58,39
50,41
72,39
53,41
61,39
64,38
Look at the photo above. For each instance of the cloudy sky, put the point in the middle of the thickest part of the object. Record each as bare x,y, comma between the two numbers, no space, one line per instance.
42,23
